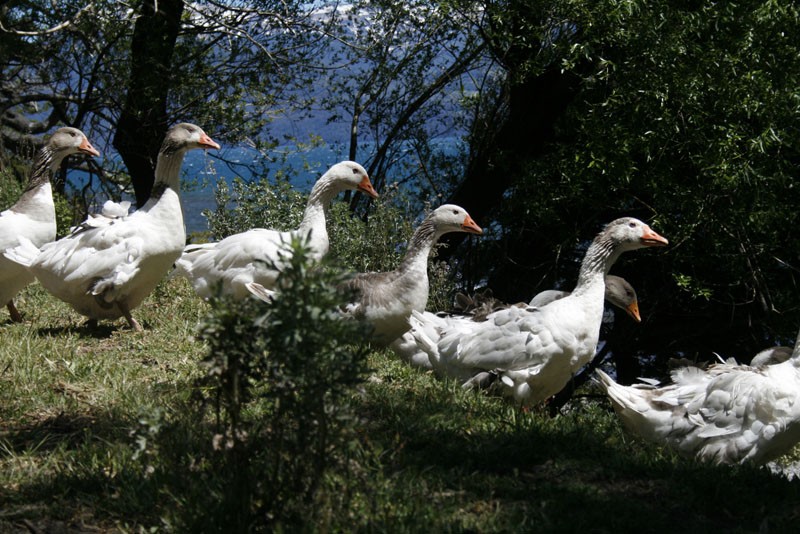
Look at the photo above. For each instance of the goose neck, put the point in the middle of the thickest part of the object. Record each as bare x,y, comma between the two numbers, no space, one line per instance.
167,176
314,223
164,204
599,258
314,217
421,245
796,352
37,199
45,164
317,206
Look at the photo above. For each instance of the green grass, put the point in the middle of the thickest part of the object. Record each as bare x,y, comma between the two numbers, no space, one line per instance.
98,431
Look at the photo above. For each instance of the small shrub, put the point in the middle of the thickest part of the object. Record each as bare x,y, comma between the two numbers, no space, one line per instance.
280,377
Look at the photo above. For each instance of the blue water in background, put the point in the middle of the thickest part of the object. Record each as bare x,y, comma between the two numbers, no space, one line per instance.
203,173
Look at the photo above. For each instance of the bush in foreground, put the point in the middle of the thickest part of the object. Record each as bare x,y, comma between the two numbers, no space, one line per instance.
279,376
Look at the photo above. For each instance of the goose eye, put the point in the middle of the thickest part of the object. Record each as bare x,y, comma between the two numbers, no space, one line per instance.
455,212
632,224
355,171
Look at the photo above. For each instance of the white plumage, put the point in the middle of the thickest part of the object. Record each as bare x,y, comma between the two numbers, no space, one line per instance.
109,214
618,292
33,217
109,264
243,263
729,413
535,351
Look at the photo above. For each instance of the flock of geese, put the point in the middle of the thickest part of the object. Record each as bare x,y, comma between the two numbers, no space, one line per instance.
106,266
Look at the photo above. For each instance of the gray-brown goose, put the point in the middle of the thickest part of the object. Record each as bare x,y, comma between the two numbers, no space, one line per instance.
385,300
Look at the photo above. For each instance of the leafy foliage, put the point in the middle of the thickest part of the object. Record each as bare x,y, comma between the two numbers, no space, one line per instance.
687,117
257,204
407,62
682,115
10,189
280,377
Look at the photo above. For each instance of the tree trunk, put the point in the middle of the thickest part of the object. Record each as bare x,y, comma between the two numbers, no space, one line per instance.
143,121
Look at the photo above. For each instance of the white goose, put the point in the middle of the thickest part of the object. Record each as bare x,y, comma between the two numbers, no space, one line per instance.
618,292
34,216
386,300
246,260
535,351
105,271
727,414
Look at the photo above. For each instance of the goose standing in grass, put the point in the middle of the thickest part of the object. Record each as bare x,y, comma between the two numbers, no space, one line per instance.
727,414
535,351
249,262
106,271
386,300
619,292
33,217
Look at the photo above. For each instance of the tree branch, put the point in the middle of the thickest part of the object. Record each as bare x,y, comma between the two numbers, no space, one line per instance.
54,29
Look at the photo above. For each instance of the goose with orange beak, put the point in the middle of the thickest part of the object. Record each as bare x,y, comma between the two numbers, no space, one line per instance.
385,300
535,351
248,263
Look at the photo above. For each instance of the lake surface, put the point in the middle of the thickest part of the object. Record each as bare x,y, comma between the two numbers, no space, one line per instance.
203,173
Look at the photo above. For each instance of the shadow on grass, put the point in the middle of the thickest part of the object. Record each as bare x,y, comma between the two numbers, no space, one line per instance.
100,470
486,465
51,433
433,459
81,331
82,472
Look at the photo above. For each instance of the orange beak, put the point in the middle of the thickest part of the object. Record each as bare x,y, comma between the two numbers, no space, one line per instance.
652,239
366,187
633,311
206,142
469,226
87,148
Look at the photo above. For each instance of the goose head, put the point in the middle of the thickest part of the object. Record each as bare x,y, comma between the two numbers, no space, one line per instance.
67,140
451,218
349,175
628,233
185,136
622,295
